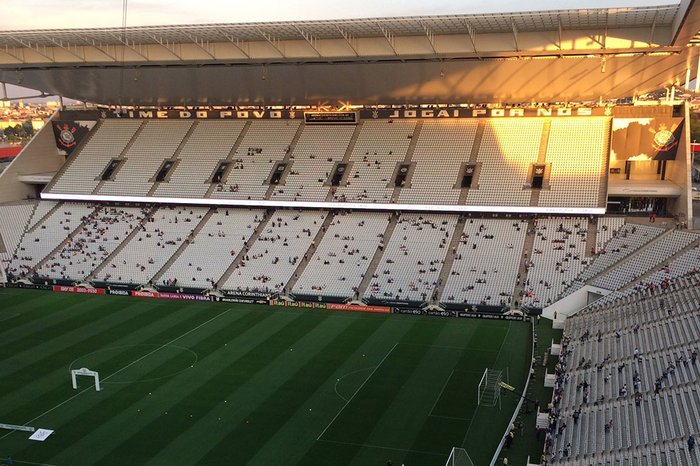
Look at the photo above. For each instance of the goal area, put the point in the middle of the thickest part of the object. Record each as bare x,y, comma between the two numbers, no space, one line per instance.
459,457
489,390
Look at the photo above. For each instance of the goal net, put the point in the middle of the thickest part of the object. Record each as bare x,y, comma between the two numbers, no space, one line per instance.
459,457
489,393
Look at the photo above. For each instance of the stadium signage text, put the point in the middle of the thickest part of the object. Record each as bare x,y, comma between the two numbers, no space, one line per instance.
368,114
78,289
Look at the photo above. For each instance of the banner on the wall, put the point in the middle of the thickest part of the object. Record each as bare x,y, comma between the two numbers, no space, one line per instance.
68,134
644,139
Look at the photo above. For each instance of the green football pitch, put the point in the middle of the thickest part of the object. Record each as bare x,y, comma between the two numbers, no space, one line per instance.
201,383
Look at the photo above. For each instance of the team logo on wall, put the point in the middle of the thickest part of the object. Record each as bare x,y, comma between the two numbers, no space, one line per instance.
68,134
664,140
65,135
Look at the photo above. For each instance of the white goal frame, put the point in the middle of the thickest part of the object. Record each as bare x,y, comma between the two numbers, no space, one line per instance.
489,389
459,457
86,372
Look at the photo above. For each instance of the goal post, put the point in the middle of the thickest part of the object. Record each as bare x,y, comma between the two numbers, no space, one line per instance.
459,457
86,372
489,390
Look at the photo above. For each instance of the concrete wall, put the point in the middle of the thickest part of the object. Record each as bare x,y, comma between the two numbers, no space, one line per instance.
573,303
40,155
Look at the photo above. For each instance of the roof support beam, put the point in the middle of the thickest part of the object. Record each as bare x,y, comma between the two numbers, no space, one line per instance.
237,43
99,47
131,47
308,37
35,49
515,36
14,53
166,45
272,41
389,36
560,41
69,49
430,36
352,42
202,45
653,27
472,37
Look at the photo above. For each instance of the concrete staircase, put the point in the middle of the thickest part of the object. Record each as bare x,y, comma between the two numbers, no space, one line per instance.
449,259
541,158
374,263
38,223
591,237
123,244
183,246
473,156
287,158
348,153
603,194
174,157
309,253
407,159
241,254
231,155
123,153
525,255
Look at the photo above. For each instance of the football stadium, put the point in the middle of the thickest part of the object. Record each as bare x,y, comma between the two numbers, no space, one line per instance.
462,239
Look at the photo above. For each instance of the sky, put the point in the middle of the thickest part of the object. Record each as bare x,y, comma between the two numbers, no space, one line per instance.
53,14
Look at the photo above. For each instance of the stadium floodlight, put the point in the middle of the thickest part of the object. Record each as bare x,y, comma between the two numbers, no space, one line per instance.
87,372
489,391
459,457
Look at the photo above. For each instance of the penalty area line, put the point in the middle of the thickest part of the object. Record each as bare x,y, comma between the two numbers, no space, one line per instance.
27,462
367,445
122,369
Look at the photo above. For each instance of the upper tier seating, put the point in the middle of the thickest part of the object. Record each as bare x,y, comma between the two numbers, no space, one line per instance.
210,142
413,258
486,262
380,145
107,142
507,149
442,148
576,151
265,143
314,155
341,259
157,142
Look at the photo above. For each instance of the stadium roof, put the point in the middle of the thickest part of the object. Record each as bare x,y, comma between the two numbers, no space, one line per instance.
453,58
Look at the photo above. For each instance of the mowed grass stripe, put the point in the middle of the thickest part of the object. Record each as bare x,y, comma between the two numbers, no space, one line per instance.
219,384
124,400
175,321
293,440
356,421
61,318
242,443
107,318
450,432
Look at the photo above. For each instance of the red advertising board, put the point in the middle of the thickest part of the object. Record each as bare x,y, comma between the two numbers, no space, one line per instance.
9,152
78,289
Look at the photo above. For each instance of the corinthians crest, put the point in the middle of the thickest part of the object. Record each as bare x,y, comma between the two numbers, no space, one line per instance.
66,136
664,139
